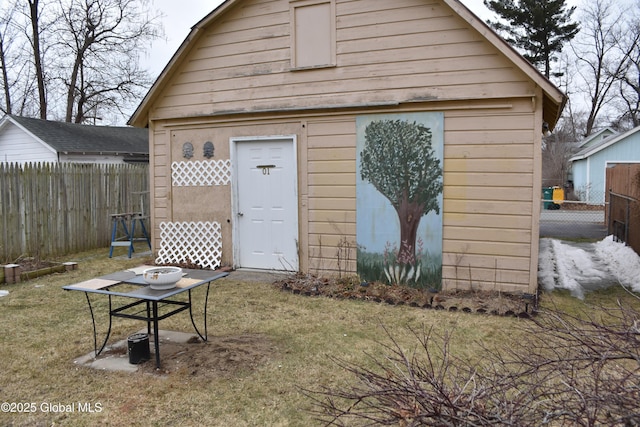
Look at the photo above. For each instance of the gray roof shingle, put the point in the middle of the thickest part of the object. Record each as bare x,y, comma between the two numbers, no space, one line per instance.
77,138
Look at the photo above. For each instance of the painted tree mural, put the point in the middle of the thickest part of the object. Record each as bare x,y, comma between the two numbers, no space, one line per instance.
399,161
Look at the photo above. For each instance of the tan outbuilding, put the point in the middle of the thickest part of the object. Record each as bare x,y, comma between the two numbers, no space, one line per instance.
254,129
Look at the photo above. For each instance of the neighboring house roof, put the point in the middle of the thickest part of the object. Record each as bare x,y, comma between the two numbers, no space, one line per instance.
553,99
70,138
601,145
594,136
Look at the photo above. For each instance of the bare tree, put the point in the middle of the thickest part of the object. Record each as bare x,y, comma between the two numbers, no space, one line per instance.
602,50
7,34
34,15
5,78
629,83
103,38
557,149
75,60
21,57
559,146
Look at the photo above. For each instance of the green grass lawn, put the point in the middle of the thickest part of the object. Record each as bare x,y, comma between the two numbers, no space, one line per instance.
45,328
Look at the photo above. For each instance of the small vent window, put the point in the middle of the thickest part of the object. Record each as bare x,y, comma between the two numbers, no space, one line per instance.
313,34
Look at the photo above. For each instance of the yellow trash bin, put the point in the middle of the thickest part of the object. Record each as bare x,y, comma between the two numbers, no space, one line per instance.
557,195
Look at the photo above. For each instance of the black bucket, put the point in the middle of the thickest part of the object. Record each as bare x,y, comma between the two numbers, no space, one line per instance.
138,345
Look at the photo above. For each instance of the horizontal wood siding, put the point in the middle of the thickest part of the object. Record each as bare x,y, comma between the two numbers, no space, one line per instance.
400,51
161,178
16,146
392,56
488,189
489,177
92,158
488,192
331,171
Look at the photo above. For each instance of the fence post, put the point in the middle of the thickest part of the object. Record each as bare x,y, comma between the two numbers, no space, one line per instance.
626,221
609,222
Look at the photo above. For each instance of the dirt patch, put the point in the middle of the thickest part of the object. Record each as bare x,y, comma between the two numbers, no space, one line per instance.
224,356
33,264
481,302
581,207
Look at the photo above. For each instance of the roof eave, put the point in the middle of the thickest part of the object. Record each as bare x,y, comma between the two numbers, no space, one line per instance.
607,144
553,104
140,116
554,99
46,145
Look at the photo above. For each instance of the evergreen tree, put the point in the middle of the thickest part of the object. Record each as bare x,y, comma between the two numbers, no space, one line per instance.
537,27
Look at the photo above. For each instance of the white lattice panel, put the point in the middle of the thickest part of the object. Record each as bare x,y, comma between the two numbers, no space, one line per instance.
201,173
196,242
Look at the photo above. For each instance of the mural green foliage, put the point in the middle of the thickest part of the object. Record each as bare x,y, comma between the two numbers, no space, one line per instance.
399,161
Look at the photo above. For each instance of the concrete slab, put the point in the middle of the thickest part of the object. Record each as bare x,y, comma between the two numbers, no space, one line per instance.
262,276
571,216
135,254
115,357
576,230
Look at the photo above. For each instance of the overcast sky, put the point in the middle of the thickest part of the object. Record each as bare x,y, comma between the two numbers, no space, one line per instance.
181,15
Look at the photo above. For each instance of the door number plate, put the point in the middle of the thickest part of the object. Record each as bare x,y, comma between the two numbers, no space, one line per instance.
266,169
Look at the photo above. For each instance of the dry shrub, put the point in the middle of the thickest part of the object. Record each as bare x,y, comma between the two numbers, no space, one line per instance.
578,370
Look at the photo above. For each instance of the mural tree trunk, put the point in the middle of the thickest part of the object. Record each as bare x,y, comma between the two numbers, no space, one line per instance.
399,161
409,214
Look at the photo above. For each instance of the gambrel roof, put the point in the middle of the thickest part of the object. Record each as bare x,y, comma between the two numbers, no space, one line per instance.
77,138
553,99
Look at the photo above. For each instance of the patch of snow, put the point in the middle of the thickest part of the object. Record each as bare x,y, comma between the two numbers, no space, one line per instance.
623,261
581,267
547,274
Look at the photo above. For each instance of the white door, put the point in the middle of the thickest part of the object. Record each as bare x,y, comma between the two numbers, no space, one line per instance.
266,204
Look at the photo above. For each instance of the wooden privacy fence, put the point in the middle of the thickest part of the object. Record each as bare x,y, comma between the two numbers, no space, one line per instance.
623,213
54,209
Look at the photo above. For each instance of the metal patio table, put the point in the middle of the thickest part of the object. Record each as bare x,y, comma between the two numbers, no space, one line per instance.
147,301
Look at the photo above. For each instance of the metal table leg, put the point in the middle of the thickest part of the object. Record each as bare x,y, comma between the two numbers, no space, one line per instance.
95,332
206,299
156,337
148,319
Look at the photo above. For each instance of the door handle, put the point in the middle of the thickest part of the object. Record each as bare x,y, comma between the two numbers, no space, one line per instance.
240,213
